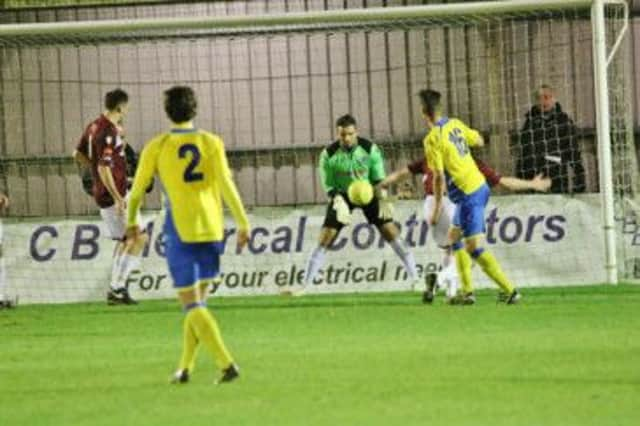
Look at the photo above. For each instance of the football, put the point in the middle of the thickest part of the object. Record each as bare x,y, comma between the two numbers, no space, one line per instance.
360,192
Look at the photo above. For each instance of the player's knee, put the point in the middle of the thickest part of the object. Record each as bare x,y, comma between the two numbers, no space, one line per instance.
474,248
136,245
203,289
188,296
389,231
470,245
327,235
142,239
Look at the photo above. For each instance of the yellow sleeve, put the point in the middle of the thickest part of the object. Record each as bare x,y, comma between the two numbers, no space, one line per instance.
470,135
433,153
144,175
228,187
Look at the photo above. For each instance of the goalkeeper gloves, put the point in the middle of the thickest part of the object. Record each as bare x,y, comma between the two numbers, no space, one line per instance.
385,207
343,214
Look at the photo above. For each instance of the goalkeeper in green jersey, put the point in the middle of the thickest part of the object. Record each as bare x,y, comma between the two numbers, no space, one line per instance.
344,161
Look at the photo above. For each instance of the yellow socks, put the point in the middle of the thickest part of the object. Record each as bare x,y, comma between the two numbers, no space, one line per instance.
487,262
189,347
207,332
492,268
463,263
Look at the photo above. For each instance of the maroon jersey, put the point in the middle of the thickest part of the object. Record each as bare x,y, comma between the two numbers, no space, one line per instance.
419,167
102,143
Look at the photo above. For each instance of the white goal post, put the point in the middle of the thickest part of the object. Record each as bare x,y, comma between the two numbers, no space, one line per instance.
600,63
303,20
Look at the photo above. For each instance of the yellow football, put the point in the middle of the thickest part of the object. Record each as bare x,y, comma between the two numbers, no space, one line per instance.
360,192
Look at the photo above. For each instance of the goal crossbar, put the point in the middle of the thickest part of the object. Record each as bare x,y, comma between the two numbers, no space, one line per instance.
252,24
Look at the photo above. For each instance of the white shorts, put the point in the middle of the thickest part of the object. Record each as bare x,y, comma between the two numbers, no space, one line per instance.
116,224
440,230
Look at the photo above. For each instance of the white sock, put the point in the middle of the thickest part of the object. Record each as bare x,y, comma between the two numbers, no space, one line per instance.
452,287
449,274
115,271
406,257
126,264
315,262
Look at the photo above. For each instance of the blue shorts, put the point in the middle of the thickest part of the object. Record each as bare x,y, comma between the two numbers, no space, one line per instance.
190,263
469,212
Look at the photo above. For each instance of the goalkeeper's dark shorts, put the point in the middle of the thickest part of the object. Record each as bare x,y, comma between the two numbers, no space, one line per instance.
371,212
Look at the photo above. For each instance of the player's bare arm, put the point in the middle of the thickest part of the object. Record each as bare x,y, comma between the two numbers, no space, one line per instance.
395,177
81,159
4,201
538,183
243,238
133,233
109,183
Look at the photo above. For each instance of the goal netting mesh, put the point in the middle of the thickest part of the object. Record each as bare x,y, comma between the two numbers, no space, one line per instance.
272,88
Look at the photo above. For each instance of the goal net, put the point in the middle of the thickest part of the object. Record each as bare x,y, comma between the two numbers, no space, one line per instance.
272,86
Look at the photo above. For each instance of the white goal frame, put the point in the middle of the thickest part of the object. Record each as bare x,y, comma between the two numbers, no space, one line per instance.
347,18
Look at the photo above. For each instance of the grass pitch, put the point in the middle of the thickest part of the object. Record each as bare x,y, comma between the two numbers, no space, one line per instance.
565,357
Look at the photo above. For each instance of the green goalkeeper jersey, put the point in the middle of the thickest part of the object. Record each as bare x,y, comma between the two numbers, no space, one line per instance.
339,166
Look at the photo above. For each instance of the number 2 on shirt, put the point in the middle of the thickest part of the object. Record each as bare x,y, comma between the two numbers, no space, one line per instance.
190,173
455,137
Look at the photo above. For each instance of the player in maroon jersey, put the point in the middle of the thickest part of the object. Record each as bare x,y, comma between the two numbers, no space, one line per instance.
102,149
448,276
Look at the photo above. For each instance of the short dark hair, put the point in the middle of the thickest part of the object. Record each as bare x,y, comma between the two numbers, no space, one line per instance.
346,121
180,103
115,98
430,100
541,88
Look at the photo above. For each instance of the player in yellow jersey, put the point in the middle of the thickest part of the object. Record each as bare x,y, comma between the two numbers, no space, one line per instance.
446,148
193,168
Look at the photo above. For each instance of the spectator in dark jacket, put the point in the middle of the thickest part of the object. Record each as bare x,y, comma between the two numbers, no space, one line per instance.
548,145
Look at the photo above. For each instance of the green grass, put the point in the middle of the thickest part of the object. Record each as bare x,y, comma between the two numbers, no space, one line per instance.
563,357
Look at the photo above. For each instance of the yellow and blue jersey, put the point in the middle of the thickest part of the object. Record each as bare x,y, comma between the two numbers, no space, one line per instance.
194,171
446,148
